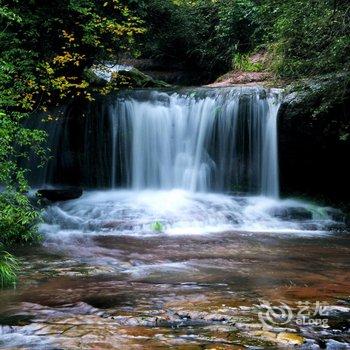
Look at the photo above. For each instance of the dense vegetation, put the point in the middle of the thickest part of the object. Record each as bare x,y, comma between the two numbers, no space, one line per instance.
200,34
46,48
303,37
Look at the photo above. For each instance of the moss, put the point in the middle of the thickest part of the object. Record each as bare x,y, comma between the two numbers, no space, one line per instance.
132,78
139,79
238,338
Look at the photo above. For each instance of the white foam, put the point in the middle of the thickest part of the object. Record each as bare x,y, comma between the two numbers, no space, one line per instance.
176,212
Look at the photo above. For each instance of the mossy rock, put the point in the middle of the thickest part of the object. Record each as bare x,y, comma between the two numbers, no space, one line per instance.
139,79
91,76
290,338
314,139
132,78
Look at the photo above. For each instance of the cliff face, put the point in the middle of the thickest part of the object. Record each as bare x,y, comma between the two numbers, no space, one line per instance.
314,140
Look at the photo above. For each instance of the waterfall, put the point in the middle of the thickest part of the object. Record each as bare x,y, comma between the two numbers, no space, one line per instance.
209,140
193,139
193,161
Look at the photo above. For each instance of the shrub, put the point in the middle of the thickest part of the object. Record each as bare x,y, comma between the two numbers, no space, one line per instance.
18,219
307,37
222,29
45,47
8,268
202,34
242,62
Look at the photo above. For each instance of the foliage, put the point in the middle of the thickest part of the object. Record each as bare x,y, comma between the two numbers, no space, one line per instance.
202,34
45,48
303,37
307,37
18,219
55,51
243,62
8,268
16,143
222,29
167,28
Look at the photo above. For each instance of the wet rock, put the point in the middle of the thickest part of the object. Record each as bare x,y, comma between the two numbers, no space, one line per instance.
99,75
337,226
265,334
312,123
6,330
57,195
142,80
309,226
310,344
231,218
15,320
33,328
244,308
290,338
282,330
335,214
52,329
118,225
44,312
291,213
216,318
248,326
336,345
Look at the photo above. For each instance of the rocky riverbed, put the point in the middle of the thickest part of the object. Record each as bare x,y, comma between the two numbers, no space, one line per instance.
181,292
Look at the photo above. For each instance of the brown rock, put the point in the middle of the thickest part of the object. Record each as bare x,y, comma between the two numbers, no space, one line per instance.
291,338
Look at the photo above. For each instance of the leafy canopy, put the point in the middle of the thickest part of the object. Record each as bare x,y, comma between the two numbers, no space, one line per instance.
45,48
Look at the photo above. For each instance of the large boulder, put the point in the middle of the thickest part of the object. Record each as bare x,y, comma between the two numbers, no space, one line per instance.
57,195
314,139
101,75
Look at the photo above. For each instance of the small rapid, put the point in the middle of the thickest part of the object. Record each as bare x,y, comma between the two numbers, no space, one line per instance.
149,212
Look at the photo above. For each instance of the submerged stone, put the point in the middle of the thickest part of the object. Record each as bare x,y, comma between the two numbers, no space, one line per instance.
57,195
335,214
292,213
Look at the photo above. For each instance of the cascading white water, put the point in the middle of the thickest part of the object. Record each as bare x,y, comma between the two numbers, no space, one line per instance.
210,140
165,157
269,172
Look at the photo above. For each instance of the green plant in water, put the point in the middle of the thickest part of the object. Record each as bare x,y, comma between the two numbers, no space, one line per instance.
8,268
157,226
